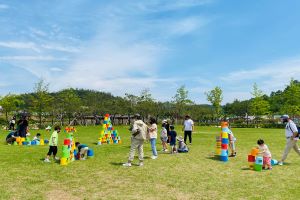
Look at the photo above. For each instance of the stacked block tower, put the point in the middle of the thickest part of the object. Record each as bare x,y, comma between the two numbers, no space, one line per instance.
68,149
255,162
108,134
222,142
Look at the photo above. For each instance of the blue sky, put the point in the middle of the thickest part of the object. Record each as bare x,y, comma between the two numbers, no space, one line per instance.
125,46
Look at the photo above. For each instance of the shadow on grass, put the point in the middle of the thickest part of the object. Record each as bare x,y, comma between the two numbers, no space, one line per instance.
247,169
216,158
117,163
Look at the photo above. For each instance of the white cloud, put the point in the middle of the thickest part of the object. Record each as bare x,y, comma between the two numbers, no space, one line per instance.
58,47
20,45
56,69
162,6
185,26
3,6
32,58
269,77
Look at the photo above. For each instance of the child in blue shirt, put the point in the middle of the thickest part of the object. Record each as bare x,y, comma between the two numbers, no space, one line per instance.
173,135
82,150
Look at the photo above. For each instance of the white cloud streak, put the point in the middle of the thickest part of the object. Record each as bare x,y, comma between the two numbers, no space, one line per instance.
31,58
3,6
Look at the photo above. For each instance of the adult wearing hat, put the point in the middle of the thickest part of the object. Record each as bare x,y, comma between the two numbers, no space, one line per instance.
188,128
139,135
291,134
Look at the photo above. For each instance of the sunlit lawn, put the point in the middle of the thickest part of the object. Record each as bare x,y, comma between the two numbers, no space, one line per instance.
195,175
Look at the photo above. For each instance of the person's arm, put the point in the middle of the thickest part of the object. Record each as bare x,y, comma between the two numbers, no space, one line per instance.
294,129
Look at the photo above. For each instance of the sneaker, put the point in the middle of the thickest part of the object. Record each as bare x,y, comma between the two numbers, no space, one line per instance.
280,163
166,150
141,164
47,160
83,159
153,157
56,158
127,164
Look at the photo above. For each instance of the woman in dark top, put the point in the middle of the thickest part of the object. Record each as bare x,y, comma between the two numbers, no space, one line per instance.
22,126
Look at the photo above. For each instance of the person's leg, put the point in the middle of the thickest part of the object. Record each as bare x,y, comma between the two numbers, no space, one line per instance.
296,148
141,151
232,147
288,147
49,154
153,146
185,135
190,136
134,145
55,152
268,162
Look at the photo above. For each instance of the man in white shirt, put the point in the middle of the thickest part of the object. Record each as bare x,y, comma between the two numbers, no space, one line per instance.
291,134
188,128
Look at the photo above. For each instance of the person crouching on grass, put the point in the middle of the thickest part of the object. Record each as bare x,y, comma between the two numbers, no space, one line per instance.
53,144
82,150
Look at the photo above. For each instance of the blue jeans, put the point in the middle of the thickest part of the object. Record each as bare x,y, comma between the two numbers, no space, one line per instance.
153,146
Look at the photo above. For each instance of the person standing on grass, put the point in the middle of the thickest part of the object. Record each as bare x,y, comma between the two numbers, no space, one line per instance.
53,144
12,123
291,134
188,128
173,135
232,140
22,126
153,136
166,124
164,138
265,152
139,135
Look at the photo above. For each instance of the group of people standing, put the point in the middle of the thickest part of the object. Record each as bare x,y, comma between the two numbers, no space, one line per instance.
141,132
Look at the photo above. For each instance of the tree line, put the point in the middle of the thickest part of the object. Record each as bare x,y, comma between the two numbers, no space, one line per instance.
64,105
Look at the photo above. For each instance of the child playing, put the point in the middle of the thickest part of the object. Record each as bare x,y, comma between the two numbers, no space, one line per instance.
173,135
182,147
264,150
153,136
164,138
53,144
37,137
232,140
82,150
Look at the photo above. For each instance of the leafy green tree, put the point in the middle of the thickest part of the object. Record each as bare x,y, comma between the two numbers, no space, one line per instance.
68,104
41,100
180,101
146,105
215,97
291,96
258,105
10,103
236,108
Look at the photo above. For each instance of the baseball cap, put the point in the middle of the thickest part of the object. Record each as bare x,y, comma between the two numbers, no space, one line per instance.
284,117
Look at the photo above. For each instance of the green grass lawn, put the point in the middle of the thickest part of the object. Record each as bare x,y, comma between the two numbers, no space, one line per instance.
195,175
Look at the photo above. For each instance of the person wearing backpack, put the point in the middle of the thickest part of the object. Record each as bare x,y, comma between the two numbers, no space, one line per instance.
139,135
291,134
